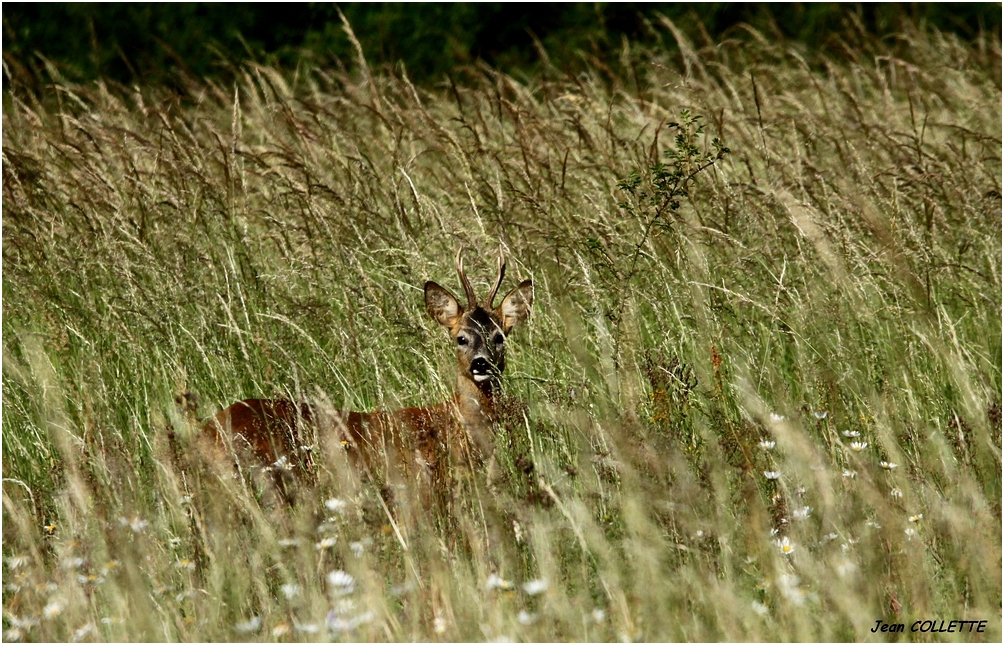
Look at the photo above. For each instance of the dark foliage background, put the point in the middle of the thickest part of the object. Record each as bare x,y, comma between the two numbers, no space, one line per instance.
143,42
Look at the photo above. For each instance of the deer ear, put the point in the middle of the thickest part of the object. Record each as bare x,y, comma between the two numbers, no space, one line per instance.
515,306
442,306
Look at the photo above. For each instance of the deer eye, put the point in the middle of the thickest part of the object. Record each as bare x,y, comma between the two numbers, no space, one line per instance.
499,339
461,340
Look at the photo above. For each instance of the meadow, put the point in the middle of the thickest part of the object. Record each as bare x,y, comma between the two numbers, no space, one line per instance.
758,398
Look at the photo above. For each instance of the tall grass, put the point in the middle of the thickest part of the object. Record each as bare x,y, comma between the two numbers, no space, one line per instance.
771,411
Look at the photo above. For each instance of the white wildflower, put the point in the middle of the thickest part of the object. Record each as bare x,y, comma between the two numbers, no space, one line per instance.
252,624
335,505
849,474
439,624
801,513
915,518
888,465
496,582
290,590
534,587
343,606
325,543
858,446
787,548
767,445
759,608
337,623
599,615
283,463
776,418
771,474
526,618
328,527
788,585
341,582
820,415
24,623
54,608
896,492
90,579
851,434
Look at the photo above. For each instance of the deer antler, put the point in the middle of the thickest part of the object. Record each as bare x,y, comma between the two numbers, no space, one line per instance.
472,300
498,281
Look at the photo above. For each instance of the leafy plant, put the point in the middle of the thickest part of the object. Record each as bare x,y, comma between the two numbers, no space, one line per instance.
655,194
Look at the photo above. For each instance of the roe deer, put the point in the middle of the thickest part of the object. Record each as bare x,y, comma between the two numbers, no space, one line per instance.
285,437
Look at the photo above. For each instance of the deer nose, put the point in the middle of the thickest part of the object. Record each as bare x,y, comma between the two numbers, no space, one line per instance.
480,366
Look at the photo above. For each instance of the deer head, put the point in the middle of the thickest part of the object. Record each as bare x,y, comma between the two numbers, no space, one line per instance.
479,331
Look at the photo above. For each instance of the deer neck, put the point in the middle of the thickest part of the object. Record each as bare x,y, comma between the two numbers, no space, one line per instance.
476,405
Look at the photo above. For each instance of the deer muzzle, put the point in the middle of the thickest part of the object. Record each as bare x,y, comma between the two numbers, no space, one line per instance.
481,369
